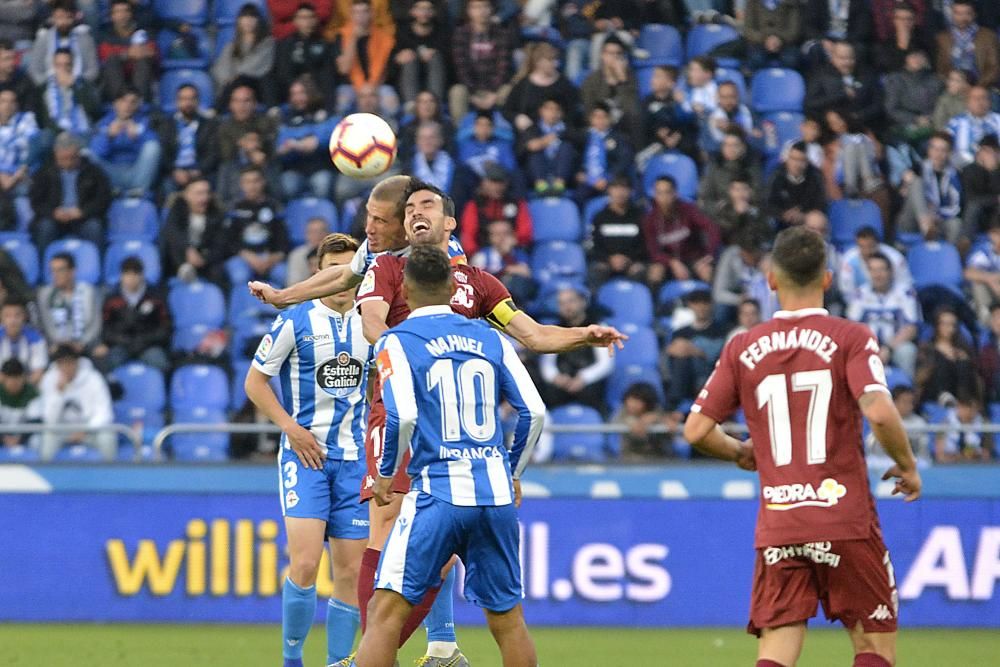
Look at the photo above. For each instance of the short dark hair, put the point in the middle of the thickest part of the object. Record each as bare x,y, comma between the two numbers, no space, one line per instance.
62,50
800,254
132,265
867,232
120,2
65,257
799,146
601,106
670,70
428,267
127,89
968,3
65,5
416,185
881,257
13,368
901,389
747,301
6,45
945,137
706,62
645,392
15,303
305,5
187,85
65,351
667,178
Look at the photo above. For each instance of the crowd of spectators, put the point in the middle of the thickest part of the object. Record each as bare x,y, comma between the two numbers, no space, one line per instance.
626,161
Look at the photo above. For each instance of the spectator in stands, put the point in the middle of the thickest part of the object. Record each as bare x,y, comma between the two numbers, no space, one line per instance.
285,18
421,53
852,168
126,146
825,23
18,139
966,45
982,270
426,107
747,317
431,162
494,201
956,445
547,149
256,234
248,59
641,410
18,19
485,146
618,248
363,49
73,392
738,266
69,196
933,194
189,148
733,162
700,93
981,187
576,27
853,271
127,53
192,240
971,127
301,144
69,309
606,153
64,33
299,262
738,213
843,85
729,114
481,54
945,362
614,85
681,240
665,123
576,376
21,341
891,312
772,29
502,257
246,137
20,402
910,95
952,101
538,83
302,49
884,16
14,78
689,358
989,357
904,37
905,400
136,322
68,103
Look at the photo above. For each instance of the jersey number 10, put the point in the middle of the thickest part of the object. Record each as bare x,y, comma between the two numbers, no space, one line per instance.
462,401
773,392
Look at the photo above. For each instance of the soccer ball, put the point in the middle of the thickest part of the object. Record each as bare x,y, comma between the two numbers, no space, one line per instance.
362,146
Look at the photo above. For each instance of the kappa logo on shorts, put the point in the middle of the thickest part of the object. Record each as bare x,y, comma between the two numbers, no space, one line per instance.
791,496
291,499
881,613
369,482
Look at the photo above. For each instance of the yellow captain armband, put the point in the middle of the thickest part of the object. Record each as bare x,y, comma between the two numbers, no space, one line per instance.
502,314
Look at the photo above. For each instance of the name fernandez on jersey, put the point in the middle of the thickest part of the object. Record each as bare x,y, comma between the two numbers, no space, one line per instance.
781,341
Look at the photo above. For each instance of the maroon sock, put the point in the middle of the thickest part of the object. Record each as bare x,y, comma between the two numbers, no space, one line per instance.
418,614
366,582
769,663
870,660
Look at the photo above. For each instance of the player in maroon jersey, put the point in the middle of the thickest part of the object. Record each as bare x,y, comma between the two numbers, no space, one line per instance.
804,380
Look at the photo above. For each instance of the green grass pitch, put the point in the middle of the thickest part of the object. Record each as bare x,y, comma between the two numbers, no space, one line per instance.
257,646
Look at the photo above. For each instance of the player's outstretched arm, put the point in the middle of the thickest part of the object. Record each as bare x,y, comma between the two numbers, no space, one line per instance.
331,280
887,426
546,338
705,434
302,441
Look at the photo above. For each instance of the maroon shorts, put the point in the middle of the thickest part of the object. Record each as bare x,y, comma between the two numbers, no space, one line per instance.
853,579
374,437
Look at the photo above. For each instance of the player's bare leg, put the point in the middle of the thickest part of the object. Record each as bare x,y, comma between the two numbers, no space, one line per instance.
343,618
387,612
873,649
306,539
511,634
781,645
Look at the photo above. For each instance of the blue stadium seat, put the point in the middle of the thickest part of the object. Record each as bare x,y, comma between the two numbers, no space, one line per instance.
22,206
555,219
502,129
244,307
895,376
226,11
558,260
165,42
732,75
847,216
175,78
591,447
592,208
682,168
199,386
644,77
132,218
777,89
641,349
143,402
194,12
88,259
223,36
934,413
663,43
121,250
625,376
20,454
81,453
704,37
627,301
786,127
204,447
936,263
993,410
196,303
301,211
25,255
546,304
674,290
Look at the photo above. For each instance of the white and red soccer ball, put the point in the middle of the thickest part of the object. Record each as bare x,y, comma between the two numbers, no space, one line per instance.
362,146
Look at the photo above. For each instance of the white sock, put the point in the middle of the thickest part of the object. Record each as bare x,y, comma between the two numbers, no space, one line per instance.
441,649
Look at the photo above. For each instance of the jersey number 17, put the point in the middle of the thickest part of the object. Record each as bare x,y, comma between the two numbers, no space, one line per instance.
773,393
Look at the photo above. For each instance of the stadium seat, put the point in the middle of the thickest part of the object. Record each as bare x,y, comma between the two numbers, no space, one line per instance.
779,129
936,263
847,216
558,260
934,412
777,89
132,218
301,211
25,255
625,376
142,386
80,453
663,43
199,386
88,259
732,75
674,290
244,307
237,393
196,303
644,77
704,37
895,376
677,165
626,301
502,129
641,349
119,251
590,447
223,36
194,12
226,11
175,78
591,209
166,41
555,219
199,446
993,410
546,303
19,454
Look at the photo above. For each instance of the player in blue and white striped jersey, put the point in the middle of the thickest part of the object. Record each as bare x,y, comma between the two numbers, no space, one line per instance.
442,378
319,352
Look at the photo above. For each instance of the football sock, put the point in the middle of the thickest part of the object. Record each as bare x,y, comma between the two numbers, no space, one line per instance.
342,621
769,663
418,614
366,582
440,621
298,607
870,660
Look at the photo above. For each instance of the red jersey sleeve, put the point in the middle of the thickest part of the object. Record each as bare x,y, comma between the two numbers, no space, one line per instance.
719,398
865,371
495,304
381,281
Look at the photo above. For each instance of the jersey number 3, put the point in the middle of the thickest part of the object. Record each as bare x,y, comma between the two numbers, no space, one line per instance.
468,404
773,393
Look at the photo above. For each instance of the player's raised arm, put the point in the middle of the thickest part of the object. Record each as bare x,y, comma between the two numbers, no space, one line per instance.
396,382
543,338
331,280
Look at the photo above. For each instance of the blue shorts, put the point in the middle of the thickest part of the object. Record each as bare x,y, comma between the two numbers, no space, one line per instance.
427,533
330,494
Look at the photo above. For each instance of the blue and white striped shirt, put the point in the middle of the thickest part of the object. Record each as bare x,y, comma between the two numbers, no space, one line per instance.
364,257
452,373
968,131
320,356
